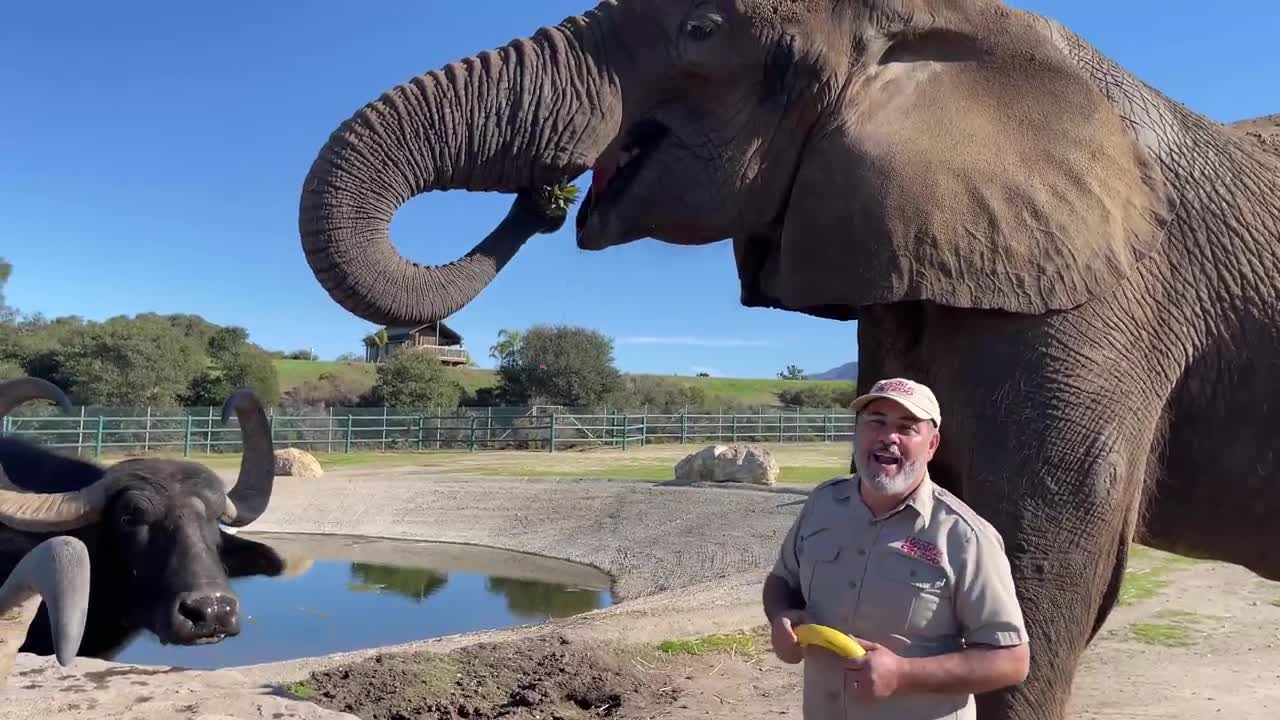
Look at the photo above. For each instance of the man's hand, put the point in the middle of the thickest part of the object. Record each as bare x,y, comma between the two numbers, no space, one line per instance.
876,675
783,636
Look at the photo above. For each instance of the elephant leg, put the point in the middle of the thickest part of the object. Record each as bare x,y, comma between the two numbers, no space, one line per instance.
1047,439
1216,492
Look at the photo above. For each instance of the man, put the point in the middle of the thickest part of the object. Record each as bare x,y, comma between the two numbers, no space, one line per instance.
911,572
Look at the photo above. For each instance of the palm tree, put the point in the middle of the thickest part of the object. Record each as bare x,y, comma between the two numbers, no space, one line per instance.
504,350
377,340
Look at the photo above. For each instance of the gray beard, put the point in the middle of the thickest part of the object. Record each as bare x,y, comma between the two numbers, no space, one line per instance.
885,484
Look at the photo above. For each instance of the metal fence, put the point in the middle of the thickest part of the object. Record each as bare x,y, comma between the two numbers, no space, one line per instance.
345,430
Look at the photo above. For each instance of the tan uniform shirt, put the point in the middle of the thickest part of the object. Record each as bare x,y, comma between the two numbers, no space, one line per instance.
928,578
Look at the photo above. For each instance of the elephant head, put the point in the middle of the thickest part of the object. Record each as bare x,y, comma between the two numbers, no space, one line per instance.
855,151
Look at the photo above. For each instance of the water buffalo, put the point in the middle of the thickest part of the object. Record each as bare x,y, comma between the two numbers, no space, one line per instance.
159,560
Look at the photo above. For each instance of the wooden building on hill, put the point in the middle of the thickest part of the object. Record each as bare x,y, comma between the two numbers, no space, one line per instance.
438,339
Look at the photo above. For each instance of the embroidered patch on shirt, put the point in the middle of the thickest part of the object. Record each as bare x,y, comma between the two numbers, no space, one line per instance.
922,549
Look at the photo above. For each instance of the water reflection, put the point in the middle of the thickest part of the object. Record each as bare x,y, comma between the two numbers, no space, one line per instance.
412,583
542,600
361,593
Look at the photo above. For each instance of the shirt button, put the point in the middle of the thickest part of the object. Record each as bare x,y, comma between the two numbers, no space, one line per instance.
853,584
862,551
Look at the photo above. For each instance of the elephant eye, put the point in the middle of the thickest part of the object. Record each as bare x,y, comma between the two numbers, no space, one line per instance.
702,28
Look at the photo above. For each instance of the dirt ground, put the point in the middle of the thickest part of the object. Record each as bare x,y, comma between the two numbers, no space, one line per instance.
1190,640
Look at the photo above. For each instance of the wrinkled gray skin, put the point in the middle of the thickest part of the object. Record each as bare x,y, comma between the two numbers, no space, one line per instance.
1085,271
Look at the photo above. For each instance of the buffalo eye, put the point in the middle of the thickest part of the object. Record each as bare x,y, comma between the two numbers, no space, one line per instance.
702,28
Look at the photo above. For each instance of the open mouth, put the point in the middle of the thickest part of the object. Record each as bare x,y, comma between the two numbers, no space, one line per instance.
616,170
886,458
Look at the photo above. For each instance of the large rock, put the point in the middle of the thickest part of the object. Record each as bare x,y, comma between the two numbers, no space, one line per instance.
750,464
298,463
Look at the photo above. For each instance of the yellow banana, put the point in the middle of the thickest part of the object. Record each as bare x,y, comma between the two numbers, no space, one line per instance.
829,638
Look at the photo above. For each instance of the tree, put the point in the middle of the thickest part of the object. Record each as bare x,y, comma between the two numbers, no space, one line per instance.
560,365
226,342
504,350
411,379
234,368
128,362
6,268
374,344
792,373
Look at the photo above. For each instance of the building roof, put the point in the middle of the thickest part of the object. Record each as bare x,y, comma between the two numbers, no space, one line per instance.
397,333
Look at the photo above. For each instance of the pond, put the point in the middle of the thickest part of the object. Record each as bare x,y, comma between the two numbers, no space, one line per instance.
357,593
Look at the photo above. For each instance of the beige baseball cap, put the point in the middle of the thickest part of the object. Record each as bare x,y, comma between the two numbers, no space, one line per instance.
918,399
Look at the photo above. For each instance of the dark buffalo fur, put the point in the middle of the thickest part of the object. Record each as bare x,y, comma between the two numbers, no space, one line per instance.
160,561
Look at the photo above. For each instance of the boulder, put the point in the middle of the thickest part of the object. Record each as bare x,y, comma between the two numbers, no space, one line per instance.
298,463
750,464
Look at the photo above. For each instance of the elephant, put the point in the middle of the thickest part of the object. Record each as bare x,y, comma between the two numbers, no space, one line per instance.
1084,270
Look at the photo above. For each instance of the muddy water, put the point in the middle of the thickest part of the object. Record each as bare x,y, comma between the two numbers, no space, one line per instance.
351,593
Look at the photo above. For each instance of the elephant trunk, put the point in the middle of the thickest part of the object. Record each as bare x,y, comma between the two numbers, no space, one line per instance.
533,113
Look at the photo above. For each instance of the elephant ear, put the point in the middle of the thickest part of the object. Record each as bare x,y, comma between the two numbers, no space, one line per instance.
976,171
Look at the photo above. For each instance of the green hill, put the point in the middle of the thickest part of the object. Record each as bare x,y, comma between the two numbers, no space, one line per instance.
741,391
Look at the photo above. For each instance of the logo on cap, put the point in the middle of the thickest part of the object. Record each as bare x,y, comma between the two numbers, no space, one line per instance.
894,386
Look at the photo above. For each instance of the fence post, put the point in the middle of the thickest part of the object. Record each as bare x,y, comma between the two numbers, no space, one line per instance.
186,435
471,440
624,431
79,433
780,417
422,420
551,444
733,425
349,432
328,445
97,443
684,425
644,428
208,433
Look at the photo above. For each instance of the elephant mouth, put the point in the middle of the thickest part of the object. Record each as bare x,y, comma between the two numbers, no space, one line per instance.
616,170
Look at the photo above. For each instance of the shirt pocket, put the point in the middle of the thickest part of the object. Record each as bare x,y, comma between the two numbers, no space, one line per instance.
820,576
914,596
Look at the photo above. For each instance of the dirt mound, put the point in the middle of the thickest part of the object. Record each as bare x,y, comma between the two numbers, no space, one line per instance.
546,677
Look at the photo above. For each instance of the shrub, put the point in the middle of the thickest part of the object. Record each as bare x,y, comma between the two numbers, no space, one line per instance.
559,365
410,379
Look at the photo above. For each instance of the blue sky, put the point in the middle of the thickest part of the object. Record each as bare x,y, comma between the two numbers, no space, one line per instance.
151,156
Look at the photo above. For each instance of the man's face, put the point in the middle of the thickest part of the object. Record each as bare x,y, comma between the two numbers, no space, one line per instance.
891,448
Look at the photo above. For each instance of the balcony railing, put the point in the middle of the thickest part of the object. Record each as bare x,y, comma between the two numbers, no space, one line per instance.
445,353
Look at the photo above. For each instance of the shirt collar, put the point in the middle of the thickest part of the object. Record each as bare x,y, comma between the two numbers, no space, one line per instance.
920,499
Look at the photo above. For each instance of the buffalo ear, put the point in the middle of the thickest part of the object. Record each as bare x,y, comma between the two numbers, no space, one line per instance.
976,171
243,557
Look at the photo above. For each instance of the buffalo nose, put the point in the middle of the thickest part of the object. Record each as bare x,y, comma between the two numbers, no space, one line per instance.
199,610
216,611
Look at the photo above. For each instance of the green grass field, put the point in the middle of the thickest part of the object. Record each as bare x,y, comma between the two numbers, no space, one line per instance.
293,373
798,463
739,391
